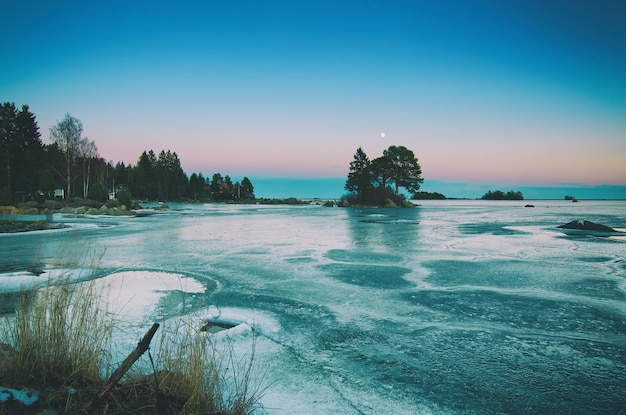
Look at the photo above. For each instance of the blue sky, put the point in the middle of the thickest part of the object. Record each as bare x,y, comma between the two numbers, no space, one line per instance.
505,93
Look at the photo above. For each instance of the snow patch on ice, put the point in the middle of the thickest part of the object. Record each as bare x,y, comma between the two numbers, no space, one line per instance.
21,280
134,294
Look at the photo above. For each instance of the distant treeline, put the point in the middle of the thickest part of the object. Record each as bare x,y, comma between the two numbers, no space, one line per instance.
162,178
428,196
70,166
500,195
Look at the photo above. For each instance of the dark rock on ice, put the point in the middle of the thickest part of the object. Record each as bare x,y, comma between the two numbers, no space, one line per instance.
35,271
215,326
585,227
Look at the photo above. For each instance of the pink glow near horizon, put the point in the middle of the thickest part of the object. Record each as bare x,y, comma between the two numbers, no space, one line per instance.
502,162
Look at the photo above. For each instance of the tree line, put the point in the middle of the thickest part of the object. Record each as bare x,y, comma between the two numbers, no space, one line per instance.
70,166
377,181
500,195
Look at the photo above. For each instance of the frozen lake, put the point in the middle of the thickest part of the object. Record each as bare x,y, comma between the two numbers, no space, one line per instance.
455,307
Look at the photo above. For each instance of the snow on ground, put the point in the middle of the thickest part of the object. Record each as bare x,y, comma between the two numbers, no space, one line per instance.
24,280
133,295
25,396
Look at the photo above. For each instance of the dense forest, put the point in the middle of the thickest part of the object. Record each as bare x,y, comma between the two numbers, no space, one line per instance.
377,182
70,166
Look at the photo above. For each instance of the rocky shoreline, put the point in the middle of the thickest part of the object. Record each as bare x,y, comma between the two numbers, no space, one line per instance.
14,220
16,226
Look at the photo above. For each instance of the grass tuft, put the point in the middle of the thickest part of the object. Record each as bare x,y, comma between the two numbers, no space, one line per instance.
61,339
60,336
198,375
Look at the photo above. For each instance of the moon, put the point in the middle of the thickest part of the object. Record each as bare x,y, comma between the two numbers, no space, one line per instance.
382,135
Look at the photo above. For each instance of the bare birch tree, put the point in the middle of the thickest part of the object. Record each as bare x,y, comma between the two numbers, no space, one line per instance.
88,151
67,134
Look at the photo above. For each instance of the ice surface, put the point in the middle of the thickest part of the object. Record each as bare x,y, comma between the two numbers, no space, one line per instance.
455,307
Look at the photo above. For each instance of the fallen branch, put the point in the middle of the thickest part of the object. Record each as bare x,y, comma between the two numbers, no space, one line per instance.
142,346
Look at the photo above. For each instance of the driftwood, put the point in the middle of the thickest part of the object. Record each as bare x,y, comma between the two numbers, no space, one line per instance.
142,346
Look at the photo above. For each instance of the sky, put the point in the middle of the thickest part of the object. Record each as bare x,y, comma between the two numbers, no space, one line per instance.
485,92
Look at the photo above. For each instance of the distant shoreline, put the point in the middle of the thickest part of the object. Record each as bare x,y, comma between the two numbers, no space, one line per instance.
304,187
19,226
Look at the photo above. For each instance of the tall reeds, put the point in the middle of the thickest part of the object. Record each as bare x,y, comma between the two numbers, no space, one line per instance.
205,373
62,337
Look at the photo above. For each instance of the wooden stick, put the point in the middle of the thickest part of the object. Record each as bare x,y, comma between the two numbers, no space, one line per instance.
142,346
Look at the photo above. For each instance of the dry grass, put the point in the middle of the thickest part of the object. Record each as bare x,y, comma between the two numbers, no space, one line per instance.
205,376
62,339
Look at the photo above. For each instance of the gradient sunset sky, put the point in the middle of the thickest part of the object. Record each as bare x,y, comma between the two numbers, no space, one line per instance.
513,92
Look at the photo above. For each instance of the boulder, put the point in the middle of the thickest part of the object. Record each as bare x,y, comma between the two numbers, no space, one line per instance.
585,227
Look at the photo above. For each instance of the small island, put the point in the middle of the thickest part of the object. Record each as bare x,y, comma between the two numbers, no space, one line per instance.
370,181
500,195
